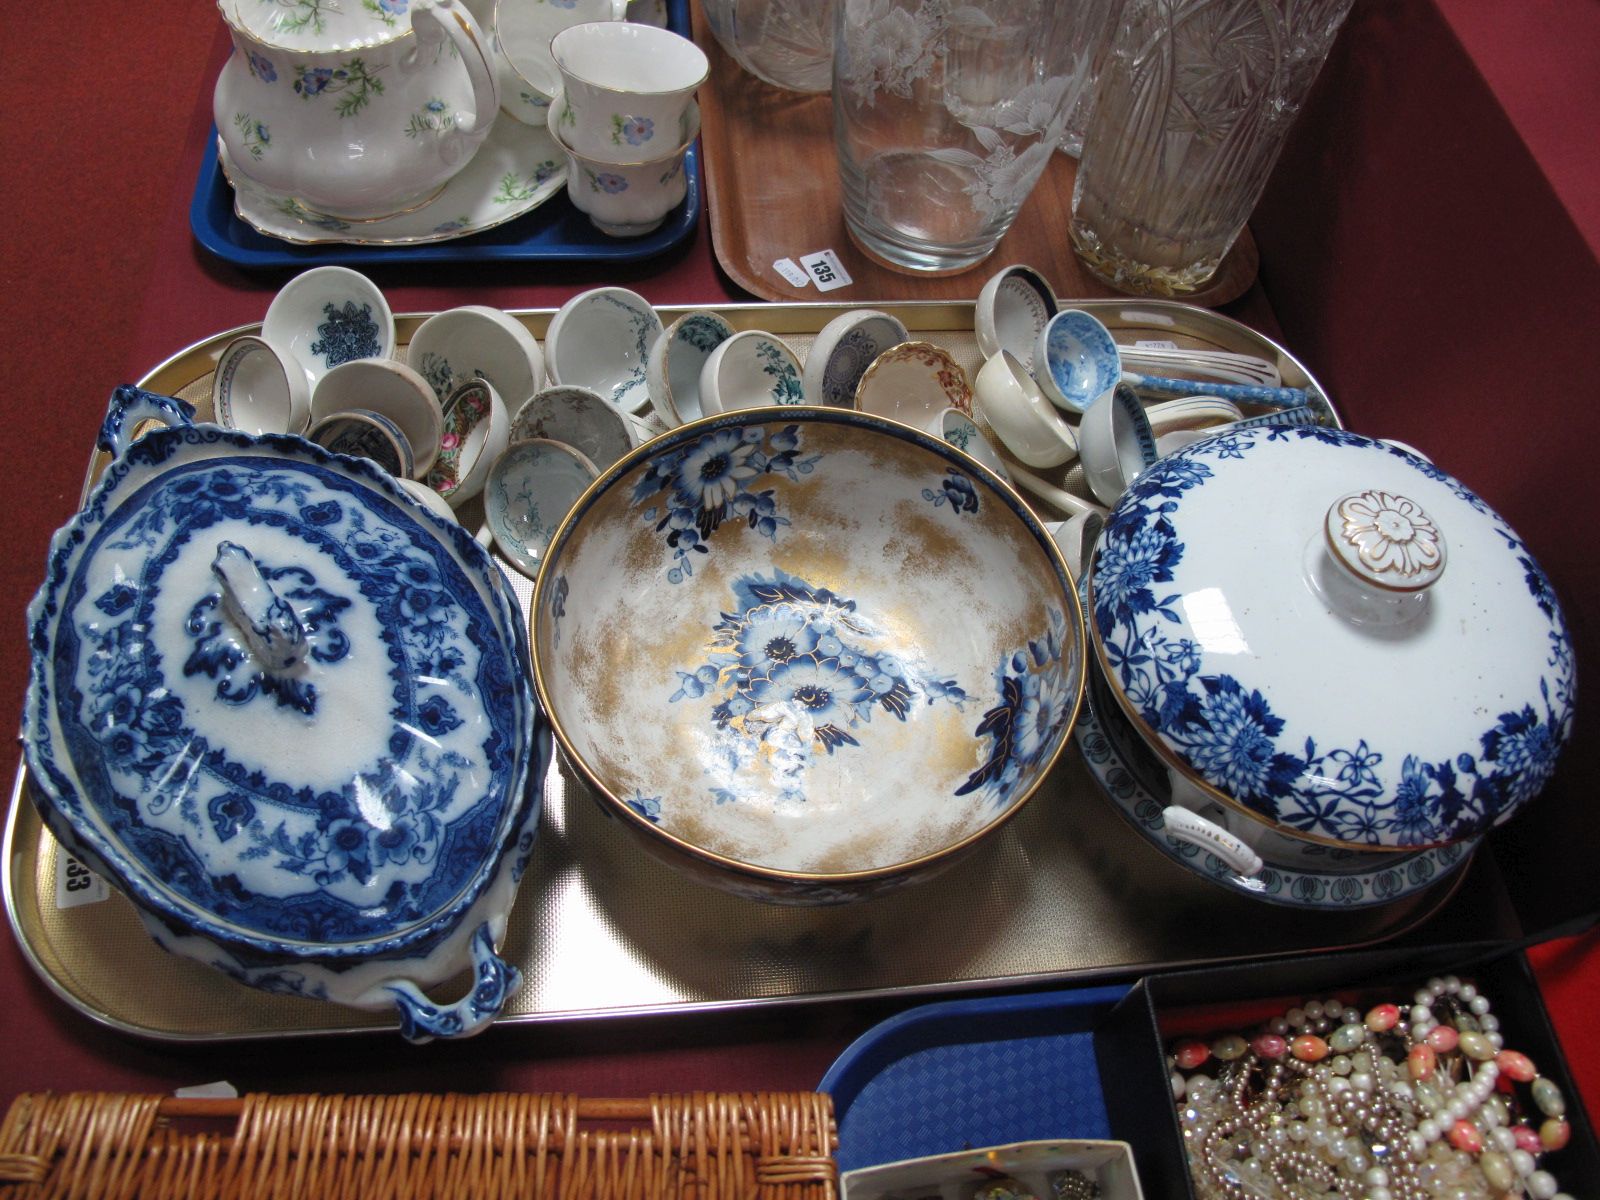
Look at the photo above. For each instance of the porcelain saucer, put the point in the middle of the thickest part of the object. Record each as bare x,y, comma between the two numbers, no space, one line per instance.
517,169
1109,751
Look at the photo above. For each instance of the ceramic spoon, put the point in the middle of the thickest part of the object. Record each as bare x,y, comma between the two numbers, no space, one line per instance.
1080,361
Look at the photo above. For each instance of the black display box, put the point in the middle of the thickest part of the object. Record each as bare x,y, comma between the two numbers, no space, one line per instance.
1131,1042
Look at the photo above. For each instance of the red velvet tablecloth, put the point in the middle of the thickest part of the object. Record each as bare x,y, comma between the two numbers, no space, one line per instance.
1412,235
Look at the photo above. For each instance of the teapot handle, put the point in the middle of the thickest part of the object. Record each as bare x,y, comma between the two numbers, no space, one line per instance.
130,407
493,979
450,19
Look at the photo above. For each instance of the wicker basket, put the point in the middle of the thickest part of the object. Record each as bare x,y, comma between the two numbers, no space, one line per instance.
704,1146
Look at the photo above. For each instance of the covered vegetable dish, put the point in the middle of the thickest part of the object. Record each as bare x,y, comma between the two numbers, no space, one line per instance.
286,711
1330,637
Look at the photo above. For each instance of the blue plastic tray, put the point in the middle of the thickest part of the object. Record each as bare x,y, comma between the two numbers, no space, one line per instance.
553,232
967,1073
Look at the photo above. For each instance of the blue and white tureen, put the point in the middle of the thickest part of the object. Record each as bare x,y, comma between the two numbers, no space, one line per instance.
1333,647
287,712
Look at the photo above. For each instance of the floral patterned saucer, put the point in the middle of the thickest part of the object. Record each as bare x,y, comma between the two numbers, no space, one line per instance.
517,169
914,382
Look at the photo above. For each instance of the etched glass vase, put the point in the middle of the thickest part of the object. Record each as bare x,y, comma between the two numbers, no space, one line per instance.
1192,106
945,115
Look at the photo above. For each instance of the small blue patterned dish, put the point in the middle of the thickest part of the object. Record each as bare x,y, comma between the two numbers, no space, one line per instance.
1333,639
744,636
285,710
327,316
843,350
531,488
600,339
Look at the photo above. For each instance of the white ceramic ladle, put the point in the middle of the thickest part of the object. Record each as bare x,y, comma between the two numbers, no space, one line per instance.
1115,443
1078,361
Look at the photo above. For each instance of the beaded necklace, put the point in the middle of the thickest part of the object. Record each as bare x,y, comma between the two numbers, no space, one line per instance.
1401,1103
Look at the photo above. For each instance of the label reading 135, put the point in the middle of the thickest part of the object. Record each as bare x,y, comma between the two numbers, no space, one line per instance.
827,270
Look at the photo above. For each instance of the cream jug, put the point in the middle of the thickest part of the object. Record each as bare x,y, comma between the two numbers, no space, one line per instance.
353,108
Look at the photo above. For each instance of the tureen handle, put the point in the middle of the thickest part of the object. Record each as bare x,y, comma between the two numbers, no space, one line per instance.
265,620
421,1020
1198,831
130,407
435,20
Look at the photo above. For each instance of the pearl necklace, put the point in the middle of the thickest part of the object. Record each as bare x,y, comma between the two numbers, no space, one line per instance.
1410,1103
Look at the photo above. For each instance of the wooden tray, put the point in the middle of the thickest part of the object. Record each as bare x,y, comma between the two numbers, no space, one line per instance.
772,192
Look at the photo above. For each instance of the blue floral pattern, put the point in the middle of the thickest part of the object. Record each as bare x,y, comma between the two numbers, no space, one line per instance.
793,671
1324,878
347,332
1229,733
281,859
689,493
957,491
635,131
1037,701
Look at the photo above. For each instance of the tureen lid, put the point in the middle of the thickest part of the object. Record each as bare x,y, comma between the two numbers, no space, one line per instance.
1334,636
284,706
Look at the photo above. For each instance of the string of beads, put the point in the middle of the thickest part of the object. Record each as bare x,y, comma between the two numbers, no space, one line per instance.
1400,1102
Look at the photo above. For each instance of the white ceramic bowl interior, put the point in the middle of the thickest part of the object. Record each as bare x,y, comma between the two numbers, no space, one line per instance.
799,709
577,417
1014,407
962,432
451,347
531,488
913,382
477,430
327,316
752,369
362,433
843,350
258,389
672,372
1012,307
394,390
1115,443
600,339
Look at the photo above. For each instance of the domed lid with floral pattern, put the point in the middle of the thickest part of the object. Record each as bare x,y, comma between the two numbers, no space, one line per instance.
1333,636
279,703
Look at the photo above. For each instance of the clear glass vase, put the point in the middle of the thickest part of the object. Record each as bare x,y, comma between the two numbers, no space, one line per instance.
1192,106
946,112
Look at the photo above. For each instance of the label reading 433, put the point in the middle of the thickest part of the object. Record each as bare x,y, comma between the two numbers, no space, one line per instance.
75,883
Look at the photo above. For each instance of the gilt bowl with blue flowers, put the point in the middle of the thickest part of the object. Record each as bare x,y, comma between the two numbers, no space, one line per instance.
807,654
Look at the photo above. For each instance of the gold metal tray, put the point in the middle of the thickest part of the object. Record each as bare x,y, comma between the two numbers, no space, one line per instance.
1068,891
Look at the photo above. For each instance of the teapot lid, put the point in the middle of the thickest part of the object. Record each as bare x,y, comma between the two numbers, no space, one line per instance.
282,704
1333,636
319,25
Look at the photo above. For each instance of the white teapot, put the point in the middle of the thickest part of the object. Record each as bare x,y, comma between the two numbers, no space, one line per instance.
354,108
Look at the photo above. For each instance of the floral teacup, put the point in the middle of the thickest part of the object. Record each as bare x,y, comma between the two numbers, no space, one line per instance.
624,199
629,89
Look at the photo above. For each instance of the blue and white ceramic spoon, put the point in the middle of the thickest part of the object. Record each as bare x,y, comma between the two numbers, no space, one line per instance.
1079,361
